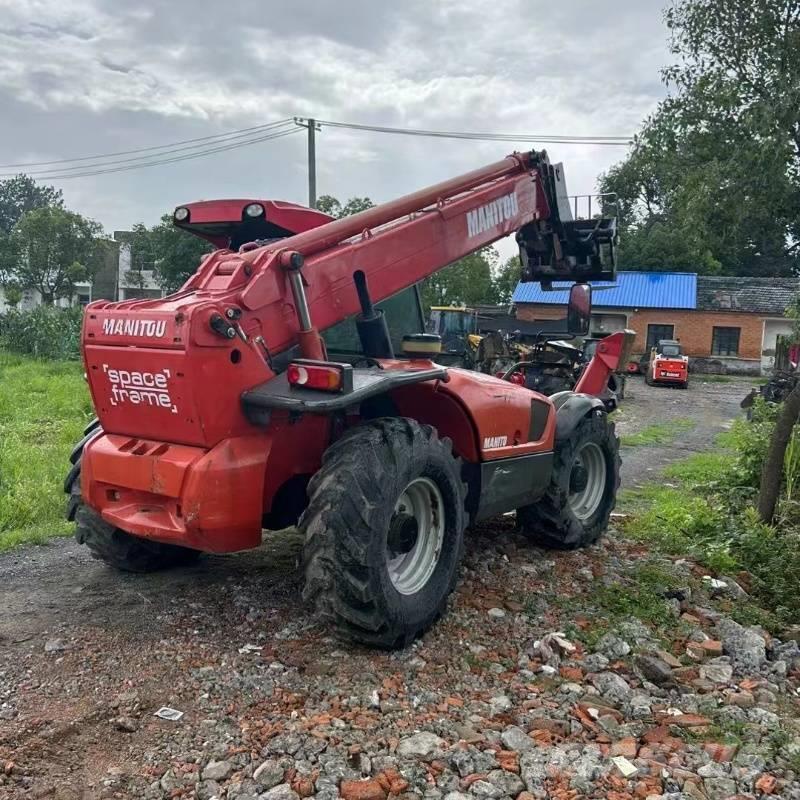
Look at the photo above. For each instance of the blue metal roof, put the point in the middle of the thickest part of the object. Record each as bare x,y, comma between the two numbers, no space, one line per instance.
630,290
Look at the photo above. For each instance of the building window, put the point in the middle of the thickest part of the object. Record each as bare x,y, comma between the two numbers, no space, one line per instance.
655,333
725,341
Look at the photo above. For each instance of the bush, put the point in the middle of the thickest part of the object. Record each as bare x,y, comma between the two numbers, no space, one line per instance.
772,557
43,332
750,440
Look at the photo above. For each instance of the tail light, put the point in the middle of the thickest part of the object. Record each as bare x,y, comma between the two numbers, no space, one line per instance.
324,376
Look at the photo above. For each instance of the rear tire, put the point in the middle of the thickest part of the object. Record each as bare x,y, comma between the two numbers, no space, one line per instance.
575,509
112,545
384,531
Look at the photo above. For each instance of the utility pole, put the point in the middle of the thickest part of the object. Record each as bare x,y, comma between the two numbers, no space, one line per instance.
312,164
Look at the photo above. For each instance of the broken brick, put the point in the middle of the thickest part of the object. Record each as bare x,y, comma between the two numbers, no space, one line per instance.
369,789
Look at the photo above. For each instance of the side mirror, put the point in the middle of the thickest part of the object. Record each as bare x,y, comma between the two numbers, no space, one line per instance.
579,309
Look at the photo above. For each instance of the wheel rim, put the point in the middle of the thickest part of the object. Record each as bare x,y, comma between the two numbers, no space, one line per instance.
415,538
587,481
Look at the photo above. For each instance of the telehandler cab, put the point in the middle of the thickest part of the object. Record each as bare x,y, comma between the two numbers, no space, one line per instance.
271,391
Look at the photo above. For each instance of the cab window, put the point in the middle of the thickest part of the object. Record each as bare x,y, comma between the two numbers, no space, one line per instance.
403,315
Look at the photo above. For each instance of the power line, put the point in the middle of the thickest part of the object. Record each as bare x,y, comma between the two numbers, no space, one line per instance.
617,141
231,139
202,146
239,132
173,160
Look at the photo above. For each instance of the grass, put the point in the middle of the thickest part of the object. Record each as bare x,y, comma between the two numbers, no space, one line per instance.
704,509
701,468
44,406
660,433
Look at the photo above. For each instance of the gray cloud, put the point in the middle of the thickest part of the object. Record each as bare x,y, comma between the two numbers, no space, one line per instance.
85,76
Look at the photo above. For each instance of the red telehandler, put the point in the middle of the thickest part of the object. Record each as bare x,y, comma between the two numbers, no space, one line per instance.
271,391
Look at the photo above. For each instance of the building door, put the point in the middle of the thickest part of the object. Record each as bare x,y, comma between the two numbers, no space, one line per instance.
655,333
604,324
772,329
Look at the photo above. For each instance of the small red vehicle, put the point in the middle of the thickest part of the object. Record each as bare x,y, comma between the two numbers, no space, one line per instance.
668,365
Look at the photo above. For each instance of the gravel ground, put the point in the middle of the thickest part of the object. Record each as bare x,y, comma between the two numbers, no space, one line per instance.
509,696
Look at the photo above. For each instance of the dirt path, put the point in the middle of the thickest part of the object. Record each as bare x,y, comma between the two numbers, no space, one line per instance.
88,655
709,406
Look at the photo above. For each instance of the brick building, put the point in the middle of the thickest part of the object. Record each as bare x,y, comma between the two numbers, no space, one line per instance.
724,324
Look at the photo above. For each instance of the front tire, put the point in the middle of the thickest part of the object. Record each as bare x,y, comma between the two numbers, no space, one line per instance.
575,509
384,531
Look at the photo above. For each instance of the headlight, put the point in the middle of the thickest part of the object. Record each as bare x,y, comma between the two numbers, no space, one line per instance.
181,214
254,210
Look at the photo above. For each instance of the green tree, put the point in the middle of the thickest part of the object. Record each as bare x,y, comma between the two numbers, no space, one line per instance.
50,249
172,254
13,294
713,181
466,282
21,194
505,280
330,205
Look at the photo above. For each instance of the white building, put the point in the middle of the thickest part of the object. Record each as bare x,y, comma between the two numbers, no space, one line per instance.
114,281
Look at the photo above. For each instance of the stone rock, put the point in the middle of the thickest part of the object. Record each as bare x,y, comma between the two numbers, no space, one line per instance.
500,703
595,662
612,686
485,789
208,790
507,782
420,745
515,738
126,724
55,646
268,774
282,791
640,707
496,613
613,647
719,788
717,672
169,781
217,770
462,761
746,647
655,669
733,588
457,796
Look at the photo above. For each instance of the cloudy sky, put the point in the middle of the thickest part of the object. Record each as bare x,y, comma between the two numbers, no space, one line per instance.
82,77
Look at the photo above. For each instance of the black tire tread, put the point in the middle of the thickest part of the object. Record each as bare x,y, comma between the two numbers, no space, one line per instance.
346,496
548,522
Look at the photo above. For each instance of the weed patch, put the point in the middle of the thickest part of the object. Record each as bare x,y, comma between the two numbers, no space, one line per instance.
706,511
660,433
